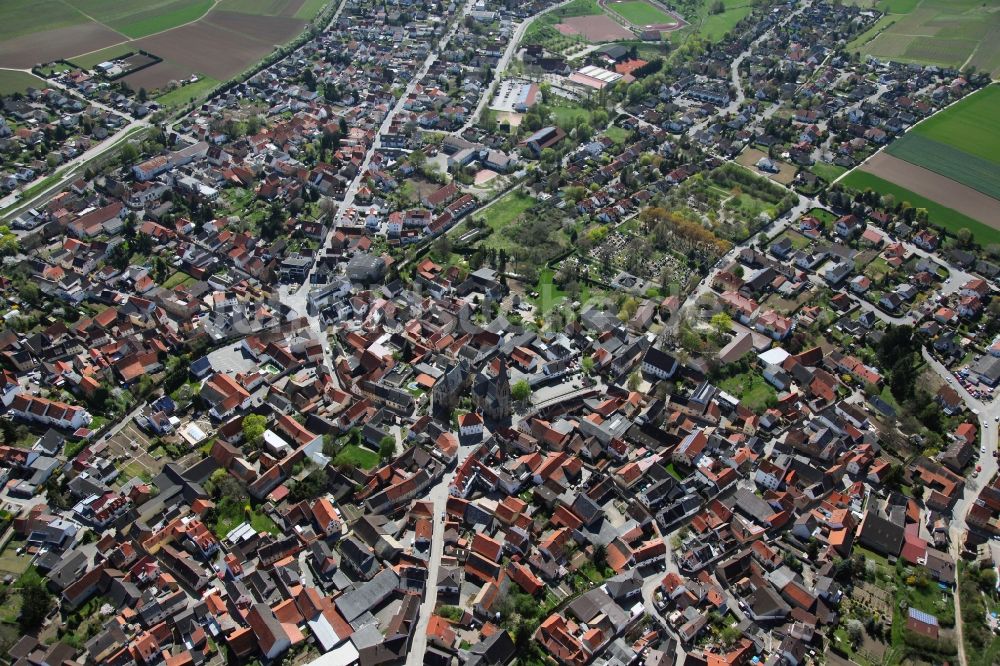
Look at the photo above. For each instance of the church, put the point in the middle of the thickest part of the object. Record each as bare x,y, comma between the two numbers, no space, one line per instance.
491,390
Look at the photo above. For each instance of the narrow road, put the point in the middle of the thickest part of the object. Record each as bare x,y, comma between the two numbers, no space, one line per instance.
439,499
438,495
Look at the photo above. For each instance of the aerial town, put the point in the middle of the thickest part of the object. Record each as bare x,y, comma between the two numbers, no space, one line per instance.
481,333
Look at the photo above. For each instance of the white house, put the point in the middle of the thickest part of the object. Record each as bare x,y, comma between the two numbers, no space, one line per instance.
470,425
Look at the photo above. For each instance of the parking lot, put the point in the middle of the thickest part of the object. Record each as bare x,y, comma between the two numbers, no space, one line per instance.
507,95
971,383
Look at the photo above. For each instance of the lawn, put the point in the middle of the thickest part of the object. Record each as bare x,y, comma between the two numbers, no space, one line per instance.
619,135
502,214
549,294
137,20
931,599
828,172
946,218
823,215
15,82
640,13
751,389
352,454
180,277
577,8
11,562
185,94
799,242
230,513
672,470
566,114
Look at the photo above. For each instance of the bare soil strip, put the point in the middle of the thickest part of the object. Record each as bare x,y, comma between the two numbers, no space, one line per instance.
934,186
30,50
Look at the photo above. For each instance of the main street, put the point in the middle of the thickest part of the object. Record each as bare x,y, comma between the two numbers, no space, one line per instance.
432,56
438,497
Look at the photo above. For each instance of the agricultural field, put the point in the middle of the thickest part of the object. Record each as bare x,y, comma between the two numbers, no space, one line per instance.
216,41
949,33
940,215
935,187
136,20
980,174
301,9
951,160
970,125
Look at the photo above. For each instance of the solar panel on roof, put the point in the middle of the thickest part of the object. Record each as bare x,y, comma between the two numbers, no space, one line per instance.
921,616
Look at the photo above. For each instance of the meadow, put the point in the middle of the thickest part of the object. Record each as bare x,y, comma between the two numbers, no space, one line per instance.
15,82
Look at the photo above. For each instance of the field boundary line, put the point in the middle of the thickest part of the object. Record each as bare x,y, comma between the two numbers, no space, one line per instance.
129,40
91,18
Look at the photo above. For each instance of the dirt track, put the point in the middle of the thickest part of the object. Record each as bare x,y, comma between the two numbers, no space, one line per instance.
943,190
595,28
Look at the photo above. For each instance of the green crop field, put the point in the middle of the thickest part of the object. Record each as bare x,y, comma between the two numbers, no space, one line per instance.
141,19
970,125
307,10
949,33
941,216
640,13
256,7
961,143
979,174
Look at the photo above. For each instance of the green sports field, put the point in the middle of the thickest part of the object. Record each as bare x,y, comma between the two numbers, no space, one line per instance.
939,215
640,13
